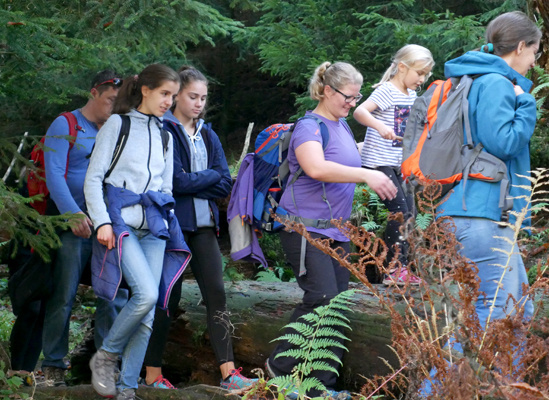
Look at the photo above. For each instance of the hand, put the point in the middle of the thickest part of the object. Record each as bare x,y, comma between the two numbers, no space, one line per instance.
518,90
387,133
380,183
81,226
105,236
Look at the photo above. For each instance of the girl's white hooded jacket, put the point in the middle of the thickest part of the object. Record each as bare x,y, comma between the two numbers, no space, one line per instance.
142,166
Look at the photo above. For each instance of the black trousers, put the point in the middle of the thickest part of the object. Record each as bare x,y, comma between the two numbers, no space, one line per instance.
26,333
207,269
26,336
403,203
325,279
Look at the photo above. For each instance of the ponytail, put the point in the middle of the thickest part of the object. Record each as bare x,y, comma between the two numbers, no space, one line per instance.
130,95
388,75
334,75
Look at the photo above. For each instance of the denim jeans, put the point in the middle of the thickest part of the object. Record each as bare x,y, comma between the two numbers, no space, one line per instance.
142,260
71,259
479,237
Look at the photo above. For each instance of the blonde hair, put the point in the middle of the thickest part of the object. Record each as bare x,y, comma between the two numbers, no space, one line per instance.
413,56
334,75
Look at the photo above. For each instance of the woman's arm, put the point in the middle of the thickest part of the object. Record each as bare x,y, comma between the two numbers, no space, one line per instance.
221,189
505,119
189,183
363,115
310,157
100,160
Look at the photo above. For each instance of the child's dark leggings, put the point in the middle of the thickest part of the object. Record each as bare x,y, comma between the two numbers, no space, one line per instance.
401,203
208,271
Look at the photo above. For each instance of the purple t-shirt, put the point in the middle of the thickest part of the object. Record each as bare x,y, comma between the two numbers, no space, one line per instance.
307,191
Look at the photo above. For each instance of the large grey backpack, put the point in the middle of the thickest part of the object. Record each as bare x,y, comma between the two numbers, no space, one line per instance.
434,147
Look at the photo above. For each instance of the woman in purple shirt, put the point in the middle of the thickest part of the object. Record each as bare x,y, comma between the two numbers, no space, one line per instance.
324,191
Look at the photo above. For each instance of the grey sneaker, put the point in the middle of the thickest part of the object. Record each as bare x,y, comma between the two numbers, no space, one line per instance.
54,376
104,366
126,394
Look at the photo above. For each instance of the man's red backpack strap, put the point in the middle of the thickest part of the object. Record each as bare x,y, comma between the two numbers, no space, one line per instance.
36,179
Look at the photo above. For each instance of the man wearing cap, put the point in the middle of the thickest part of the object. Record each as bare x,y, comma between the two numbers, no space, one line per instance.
76,249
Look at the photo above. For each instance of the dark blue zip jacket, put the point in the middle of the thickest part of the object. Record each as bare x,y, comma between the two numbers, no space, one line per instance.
106,268
215,182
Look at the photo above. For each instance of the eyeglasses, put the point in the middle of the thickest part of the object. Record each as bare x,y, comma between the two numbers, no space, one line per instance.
116,82
538,55
349,99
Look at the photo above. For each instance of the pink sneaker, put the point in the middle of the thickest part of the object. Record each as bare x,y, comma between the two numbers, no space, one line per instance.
400,279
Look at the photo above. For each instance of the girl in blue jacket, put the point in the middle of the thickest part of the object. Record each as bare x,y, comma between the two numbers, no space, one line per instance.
201,175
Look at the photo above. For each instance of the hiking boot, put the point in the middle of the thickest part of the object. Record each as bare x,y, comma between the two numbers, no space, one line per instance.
54,376
126,394
104,367
401,277
159,383
236,381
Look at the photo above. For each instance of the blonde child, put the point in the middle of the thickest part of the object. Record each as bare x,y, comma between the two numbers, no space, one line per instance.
385,114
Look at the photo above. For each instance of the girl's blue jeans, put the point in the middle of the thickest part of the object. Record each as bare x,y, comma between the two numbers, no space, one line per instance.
479,238
142,260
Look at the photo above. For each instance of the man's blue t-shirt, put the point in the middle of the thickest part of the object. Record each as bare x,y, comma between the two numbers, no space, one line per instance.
68,195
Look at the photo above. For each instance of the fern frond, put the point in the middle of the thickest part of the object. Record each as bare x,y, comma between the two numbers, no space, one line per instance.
311,317
307,367
294,339
323,354
323,343
285,384
301,328
335,322
330,332
311,383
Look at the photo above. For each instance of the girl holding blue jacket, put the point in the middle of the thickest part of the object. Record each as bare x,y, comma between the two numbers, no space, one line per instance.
201,175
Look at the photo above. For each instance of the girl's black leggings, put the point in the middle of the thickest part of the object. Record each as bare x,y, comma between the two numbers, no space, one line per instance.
403,203
207,269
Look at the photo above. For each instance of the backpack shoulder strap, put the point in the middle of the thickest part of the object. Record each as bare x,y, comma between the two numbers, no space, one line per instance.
120,143
73,133
73,127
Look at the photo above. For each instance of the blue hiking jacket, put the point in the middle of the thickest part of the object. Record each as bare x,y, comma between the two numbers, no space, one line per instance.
504,123
215,182
106,267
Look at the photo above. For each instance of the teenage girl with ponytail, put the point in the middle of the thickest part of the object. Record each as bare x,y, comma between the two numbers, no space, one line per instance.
201,175
325,191
385,114
144,168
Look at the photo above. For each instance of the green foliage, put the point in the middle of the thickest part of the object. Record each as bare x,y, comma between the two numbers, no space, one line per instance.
54,49
9,385
533,272
20,222
423,220
6,323
230,271
368,210
313,338
277,273
292,38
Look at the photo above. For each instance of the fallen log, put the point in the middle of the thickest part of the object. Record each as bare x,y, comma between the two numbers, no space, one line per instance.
258,312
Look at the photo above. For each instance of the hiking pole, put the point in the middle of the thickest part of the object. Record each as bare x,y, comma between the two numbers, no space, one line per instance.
14,158
246,143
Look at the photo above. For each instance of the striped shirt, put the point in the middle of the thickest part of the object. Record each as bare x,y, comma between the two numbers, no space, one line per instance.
393,110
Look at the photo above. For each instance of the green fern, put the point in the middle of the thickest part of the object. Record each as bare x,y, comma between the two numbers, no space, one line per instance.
423,221
315,336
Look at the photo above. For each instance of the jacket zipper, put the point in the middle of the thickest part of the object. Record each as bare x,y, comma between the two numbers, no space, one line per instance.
149,170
